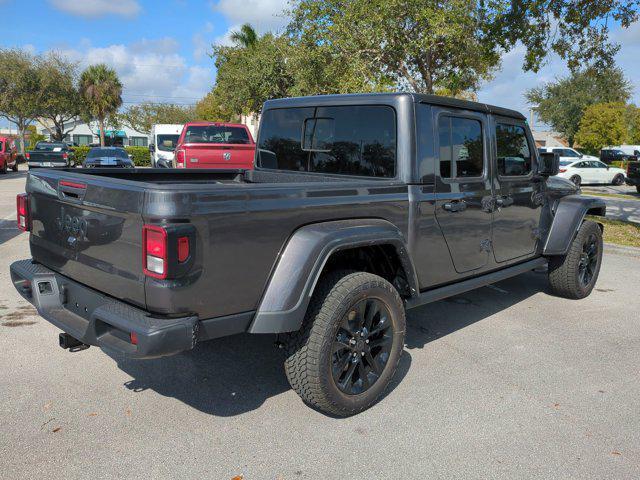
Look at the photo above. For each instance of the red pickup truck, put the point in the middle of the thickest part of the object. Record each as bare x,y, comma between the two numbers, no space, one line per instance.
8,155
215,145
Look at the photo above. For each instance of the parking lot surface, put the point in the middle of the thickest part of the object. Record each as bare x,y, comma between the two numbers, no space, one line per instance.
503,382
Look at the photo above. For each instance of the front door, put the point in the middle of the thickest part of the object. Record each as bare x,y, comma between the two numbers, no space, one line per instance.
463,187
519,194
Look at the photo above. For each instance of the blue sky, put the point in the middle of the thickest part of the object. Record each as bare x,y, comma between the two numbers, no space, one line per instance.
159,48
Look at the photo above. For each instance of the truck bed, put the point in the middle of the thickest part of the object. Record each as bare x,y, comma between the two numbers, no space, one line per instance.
87,225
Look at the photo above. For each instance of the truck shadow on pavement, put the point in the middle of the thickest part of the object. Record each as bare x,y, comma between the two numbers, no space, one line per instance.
234,375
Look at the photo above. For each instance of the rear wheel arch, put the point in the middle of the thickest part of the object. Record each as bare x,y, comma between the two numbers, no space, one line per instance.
314,251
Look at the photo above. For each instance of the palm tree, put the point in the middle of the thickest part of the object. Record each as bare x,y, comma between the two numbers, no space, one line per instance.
101,89
246,37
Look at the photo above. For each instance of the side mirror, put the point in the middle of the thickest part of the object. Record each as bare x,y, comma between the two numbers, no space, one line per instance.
548,164
152,147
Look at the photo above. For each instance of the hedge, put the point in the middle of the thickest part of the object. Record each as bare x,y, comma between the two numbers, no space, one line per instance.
141,155
619,164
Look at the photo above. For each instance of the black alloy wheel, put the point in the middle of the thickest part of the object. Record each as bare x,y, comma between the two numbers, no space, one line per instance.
588,260
362,346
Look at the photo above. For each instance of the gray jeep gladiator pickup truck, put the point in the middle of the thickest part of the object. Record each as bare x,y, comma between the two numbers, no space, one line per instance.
359,207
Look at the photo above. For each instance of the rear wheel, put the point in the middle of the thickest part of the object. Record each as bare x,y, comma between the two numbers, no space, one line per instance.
638,188
618,179
3,169
349,346
15,166
575,274
577,181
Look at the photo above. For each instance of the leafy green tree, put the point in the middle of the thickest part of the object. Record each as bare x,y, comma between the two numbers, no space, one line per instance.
102,91
142,117
213,108
19,88
562,103
59,100
602,124
575,30
247,77
632,120
419,45
245,37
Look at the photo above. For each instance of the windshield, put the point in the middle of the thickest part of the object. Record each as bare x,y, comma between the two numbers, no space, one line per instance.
216,134
107,153
50,147
167,143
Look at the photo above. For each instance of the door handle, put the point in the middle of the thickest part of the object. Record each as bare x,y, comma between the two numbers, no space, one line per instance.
455,206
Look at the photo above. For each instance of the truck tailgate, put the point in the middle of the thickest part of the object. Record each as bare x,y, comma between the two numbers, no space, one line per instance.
89,228
219,155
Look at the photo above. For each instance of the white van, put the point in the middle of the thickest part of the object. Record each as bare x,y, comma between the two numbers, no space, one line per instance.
162,143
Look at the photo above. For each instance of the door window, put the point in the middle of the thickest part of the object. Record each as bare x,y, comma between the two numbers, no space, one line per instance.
513,151
461,147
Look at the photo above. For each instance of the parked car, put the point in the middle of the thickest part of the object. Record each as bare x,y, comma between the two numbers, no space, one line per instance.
608,155
215,145
591,172
108,157
632,150
162,144
567,153
360,207
633,174
8,155
51,155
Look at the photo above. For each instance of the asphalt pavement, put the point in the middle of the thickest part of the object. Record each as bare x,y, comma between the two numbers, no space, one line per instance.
505,382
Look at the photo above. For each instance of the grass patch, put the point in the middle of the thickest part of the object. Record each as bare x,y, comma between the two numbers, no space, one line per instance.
618,232
620,196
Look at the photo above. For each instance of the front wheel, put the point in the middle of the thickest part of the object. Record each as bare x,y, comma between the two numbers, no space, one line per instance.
618,180
575,274
350,343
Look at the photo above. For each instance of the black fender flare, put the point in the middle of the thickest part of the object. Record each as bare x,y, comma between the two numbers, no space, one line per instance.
287,295
569,213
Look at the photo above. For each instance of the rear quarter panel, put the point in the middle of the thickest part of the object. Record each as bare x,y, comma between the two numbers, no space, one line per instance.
242,229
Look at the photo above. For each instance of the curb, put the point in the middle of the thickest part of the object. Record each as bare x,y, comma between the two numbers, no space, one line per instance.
622,250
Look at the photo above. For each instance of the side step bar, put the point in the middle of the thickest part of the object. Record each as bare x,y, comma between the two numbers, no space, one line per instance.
473,283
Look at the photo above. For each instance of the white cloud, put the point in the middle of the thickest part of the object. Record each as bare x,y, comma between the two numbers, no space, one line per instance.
200,46
148,73
263,15
98,8
160,45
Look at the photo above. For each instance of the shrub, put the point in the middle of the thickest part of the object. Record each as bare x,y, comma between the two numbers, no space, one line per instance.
140,155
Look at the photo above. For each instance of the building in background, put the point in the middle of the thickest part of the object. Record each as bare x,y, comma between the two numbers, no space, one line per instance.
548,139
84,134
252,121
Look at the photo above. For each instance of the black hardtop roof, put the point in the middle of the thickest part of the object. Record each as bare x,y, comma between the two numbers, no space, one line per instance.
390,98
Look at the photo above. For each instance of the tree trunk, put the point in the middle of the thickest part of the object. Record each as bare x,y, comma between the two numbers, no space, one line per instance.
21,128
101,121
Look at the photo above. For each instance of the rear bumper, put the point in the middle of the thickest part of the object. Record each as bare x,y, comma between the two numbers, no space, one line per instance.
96,319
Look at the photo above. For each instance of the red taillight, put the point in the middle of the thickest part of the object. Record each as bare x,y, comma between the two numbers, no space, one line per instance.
22,203
181,159
154,254
65,156
27,155
183,249
134,338
562,170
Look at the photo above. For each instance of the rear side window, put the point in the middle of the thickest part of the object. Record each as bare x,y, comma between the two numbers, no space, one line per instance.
1,146
216,134
349,140
514,154
461,147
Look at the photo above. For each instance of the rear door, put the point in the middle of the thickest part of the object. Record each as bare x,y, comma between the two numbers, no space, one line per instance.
463,187
89,228
519,195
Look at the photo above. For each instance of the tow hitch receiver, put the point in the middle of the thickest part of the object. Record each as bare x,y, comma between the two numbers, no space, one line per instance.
71,343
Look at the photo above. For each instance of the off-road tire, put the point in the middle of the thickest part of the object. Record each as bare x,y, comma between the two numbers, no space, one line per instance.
577,180
564,270
3,169
309,351
15,167
618,180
